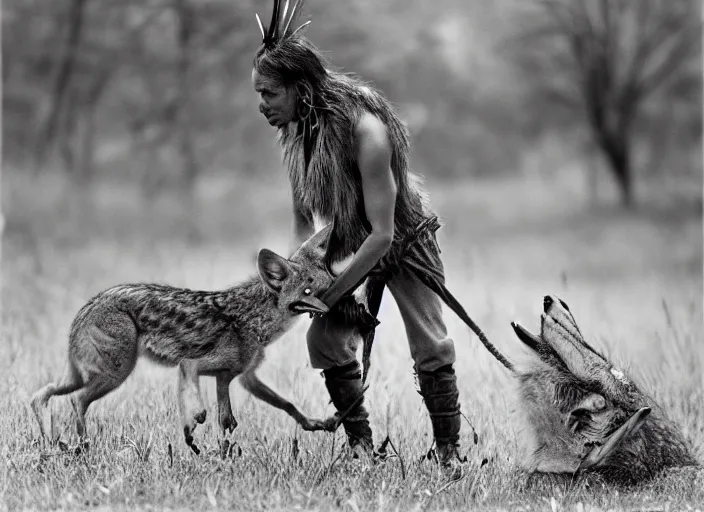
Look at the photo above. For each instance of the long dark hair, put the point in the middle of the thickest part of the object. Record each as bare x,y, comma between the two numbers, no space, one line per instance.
298,63
293,60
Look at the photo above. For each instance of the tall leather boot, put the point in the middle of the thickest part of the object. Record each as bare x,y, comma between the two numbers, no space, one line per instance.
441,396
344,384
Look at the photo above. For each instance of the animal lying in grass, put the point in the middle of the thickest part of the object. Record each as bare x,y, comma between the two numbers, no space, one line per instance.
584,415
220,333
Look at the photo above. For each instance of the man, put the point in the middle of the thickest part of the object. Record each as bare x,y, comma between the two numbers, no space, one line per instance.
347,154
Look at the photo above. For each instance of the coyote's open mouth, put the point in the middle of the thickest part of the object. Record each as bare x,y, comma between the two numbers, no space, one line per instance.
309,305
585,414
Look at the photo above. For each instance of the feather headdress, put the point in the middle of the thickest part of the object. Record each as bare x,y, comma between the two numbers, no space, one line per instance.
281,26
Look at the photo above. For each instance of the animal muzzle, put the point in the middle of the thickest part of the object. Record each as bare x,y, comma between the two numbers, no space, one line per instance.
309,304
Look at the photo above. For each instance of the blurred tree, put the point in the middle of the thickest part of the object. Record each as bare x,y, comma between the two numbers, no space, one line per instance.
185,29
64,70
165,75
30,51
605,58
158,93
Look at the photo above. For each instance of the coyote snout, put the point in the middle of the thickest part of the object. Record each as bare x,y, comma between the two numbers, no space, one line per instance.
221,334
584,414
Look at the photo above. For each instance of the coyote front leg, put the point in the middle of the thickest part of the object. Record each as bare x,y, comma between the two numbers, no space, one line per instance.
225,416
251,383
190,401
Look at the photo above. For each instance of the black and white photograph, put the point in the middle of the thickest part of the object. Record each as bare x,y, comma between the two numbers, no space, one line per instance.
312,255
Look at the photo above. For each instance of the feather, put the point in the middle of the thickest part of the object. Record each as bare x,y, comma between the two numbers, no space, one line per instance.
260,26
301,27
274,25
281,21
290,19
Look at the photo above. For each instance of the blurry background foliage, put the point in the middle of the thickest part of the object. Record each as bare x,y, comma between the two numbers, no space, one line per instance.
157,93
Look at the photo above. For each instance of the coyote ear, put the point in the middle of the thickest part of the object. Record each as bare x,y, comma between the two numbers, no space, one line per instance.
559,329
319,243
273,269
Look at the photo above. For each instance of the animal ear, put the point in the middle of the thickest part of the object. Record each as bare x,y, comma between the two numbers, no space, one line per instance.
560,331
582,414
532,341
273,269
591,403
319,243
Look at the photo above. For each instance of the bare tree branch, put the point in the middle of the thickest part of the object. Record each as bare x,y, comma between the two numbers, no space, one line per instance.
618,52
63,77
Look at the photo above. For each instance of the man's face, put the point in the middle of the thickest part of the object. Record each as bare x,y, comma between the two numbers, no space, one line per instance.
276,102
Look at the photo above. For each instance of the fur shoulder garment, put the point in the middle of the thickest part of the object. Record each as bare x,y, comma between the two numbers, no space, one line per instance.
321,158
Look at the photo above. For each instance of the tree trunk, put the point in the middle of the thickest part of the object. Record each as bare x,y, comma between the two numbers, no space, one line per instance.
85,169
189,160
63,77
617,152
66,132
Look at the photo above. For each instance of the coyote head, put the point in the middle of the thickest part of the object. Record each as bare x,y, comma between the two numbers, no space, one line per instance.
298,281
584,414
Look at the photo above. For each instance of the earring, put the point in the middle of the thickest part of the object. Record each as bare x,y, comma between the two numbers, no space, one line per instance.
305,102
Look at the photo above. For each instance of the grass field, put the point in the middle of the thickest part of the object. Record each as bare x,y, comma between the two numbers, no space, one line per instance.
633,281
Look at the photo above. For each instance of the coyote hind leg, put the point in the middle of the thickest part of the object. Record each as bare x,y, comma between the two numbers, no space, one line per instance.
97,387
70,382
106,351
108,372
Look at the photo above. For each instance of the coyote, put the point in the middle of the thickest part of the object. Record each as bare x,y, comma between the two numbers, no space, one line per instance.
220,333
584,415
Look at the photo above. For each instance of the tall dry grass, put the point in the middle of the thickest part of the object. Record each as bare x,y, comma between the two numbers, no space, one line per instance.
633,281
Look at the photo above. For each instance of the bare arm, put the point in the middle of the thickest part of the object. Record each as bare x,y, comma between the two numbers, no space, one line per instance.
379,190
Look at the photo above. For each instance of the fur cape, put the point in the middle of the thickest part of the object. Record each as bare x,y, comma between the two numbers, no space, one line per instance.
320,155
